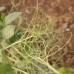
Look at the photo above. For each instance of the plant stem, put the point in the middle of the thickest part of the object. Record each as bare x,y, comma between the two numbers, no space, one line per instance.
12,59
18,42
20,70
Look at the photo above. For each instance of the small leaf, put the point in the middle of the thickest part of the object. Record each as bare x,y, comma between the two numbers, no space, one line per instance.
13,39
11,17
16,36
8,31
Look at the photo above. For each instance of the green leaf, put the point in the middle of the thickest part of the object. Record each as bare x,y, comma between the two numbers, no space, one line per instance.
5,68
66,71
8,31
13,39
11,17
16,36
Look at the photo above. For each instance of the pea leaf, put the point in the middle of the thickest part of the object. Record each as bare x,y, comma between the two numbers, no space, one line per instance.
13,39
11,17
8,31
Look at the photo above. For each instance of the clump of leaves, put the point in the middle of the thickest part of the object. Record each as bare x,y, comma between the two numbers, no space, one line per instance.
28,48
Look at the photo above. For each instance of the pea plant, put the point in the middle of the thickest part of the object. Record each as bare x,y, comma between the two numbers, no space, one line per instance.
26,50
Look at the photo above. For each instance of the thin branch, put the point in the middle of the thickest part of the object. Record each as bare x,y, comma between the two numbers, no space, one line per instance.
20,70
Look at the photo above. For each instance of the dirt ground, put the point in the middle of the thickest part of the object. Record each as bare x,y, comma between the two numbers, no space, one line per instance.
61,10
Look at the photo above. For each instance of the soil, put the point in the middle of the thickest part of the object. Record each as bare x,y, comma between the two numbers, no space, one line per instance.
60,10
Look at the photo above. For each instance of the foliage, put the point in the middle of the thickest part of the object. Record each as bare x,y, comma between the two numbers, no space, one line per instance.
11,17
26,50
10,31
